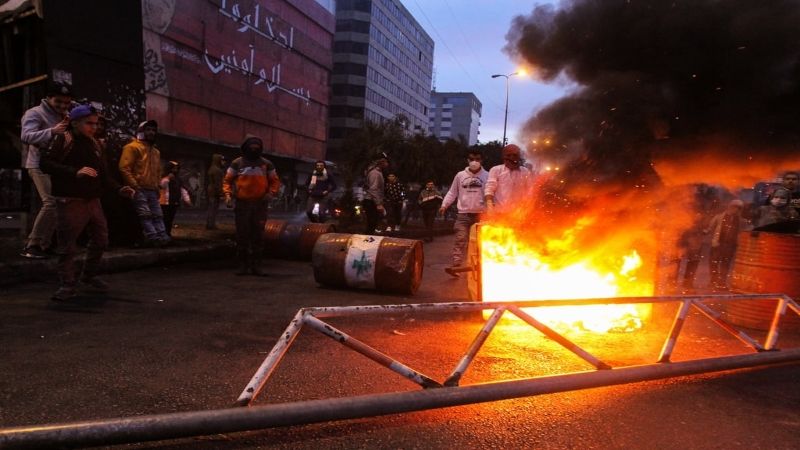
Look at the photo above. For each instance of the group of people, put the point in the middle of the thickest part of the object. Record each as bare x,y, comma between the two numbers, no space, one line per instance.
65,156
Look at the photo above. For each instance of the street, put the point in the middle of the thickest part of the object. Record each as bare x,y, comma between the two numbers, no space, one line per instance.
189,337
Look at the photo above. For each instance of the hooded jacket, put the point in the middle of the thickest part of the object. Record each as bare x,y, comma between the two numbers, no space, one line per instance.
251,179
140,165
36,132
63,162
374,184
468,190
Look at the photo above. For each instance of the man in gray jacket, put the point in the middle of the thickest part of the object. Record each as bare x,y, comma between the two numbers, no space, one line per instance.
40,125
468,190
373,193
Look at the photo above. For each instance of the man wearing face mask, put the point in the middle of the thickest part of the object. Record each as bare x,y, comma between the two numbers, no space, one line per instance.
779,209
320,184
508,179
468,190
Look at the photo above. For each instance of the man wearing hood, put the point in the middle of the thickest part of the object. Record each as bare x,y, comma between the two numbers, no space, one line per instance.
374,192
252,181
40,125
320,184
214,189
507,180
468,190
140,167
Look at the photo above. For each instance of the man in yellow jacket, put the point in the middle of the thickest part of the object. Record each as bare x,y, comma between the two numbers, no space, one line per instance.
140,166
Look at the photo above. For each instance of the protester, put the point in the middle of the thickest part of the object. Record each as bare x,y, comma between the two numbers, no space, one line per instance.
171,193
394,196
429,201
790,183
252,180
778,210
214,189
724,229
691,244
374,193
467,191
79,176
140,166
507,180
319,186
40,125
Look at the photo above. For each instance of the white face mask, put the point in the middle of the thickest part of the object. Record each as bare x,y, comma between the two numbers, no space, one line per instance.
778,201
474,166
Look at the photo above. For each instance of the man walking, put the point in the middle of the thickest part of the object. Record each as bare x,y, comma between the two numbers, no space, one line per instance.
468,190
253,181
507,180
79,176
320,184
40,125
374,193
140,166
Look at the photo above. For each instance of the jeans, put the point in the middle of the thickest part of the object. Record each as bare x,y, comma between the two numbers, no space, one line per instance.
251,217
75,215
45,224
461,228
148,209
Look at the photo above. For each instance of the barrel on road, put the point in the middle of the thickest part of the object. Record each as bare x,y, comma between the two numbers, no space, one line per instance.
386,264
292,240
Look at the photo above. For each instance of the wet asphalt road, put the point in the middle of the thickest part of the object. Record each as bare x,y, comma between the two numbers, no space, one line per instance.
189,337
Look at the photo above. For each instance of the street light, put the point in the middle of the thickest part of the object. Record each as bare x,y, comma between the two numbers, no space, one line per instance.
505,121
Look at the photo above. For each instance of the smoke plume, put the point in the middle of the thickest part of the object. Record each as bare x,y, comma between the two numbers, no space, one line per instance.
670,91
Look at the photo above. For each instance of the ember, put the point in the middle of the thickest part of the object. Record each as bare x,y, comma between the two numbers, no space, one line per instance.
514,270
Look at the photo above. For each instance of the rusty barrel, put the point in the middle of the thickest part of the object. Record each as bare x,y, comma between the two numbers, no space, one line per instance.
765,263
292,240
371,262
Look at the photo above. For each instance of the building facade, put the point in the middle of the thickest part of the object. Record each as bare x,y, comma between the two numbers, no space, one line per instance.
382,70
210,72
454,115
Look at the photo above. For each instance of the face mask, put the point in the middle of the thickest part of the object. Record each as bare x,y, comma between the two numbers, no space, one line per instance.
252,154
777,201
513,162
474,165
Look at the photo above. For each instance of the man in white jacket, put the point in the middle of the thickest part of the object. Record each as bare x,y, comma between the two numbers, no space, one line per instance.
508,179
468,190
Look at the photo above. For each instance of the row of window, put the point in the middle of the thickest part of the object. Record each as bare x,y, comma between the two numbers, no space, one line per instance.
358,48
351,90
387,104
405,61
347,68
398,34
409,25
378,78
352,25
357,5
400,73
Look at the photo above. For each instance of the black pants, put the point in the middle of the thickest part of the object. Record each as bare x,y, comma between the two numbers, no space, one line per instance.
250,216
373,218
169,212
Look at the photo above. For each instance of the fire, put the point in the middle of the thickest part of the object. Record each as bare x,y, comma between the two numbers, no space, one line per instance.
515,270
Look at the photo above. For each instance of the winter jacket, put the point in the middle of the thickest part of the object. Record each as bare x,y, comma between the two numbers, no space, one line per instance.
214,177
173,192
503,183
251,180
316,185
429,199
374,185
468,190
140,165
394,192
37,124
63,163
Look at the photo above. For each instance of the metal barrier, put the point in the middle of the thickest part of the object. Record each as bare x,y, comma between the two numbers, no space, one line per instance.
434,394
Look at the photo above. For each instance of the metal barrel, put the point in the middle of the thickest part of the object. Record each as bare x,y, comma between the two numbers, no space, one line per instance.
382,263
292,240
765,262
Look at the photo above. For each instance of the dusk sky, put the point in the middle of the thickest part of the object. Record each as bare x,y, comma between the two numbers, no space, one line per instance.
469,37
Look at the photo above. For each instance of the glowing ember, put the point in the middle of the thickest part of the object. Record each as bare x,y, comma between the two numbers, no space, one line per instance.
512,270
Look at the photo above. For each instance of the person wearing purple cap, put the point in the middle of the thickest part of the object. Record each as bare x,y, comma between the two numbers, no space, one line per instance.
79,176
140,167
40,125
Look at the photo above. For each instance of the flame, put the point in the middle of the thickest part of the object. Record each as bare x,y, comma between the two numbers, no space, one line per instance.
513,270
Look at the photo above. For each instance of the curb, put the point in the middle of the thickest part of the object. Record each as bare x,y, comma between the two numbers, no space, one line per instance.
117,261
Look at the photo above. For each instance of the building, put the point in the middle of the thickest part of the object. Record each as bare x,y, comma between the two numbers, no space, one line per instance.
382,70
208,72
455,114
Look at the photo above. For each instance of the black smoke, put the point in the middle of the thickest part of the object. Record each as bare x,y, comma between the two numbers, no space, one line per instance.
662,80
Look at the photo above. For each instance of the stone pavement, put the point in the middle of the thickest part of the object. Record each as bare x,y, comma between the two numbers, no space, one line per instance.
191,242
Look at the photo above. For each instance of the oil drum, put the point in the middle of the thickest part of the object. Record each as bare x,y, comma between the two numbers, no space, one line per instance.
371,262
765,263
292,240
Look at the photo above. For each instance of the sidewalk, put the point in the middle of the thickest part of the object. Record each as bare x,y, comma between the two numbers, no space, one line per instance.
191,242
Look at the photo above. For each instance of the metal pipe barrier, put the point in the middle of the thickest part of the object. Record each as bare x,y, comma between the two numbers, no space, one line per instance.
194,423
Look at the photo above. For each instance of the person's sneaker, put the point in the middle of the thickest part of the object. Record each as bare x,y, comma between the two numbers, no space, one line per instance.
95,283
63,294
33,252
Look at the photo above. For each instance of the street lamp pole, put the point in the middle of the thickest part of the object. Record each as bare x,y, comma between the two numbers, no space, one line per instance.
505,120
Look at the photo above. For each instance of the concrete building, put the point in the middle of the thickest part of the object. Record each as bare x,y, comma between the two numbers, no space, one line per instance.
383,68
454,114
208,72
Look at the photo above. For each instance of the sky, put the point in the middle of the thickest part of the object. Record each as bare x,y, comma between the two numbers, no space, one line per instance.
469,37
